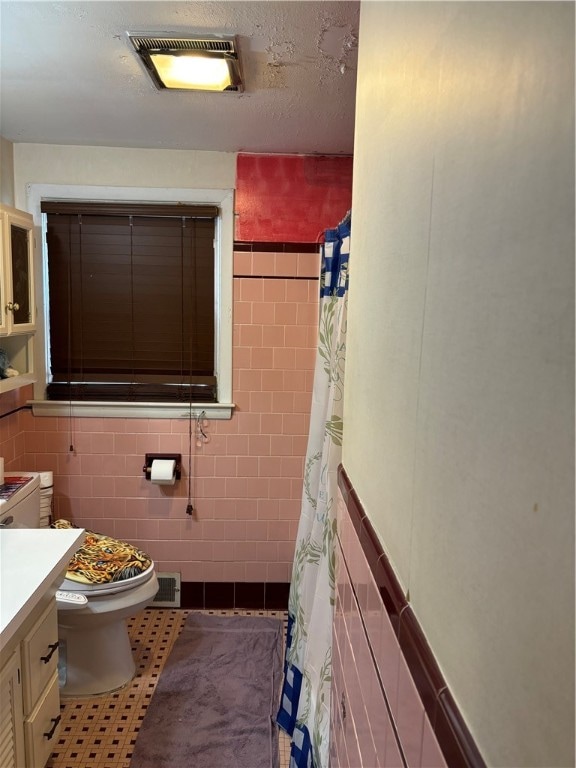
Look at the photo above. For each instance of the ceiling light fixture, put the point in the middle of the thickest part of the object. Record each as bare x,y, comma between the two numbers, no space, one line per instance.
206,63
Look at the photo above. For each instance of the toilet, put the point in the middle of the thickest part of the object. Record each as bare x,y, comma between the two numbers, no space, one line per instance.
94,642
95,652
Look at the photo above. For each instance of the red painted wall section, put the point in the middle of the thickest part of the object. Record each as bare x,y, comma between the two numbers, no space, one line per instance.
290,198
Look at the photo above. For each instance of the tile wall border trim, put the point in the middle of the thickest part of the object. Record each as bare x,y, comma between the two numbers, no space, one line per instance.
450,729
15,410
259,246
274,277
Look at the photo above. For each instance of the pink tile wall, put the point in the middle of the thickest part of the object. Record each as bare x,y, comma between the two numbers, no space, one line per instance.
12,426
373,694
246,482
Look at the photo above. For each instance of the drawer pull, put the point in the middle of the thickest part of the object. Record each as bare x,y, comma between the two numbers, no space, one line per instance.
49,655
50,733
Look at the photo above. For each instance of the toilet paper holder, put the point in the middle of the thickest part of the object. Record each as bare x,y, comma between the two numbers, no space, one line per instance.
150,457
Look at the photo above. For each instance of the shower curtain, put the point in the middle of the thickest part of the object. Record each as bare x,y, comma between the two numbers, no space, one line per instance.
305,704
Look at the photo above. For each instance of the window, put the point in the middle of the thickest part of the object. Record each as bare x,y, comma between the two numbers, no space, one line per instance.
131,296
39,196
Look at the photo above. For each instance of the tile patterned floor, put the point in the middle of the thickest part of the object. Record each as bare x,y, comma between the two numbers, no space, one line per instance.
100,732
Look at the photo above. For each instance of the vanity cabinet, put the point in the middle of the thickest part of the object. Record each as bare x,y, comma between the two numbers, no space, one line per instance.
17,297
30,694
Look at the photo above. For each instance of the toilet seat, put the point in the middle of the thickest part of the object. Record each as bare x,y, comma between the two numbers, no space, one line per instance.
110,587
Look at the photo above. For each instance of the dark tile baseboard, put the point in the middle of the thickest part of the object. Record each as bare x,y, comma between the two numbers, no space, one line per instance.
227,595
452,733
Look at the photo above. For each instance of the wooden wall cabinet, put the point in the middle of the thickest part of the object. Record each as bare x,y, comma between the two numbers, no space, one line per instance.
17,295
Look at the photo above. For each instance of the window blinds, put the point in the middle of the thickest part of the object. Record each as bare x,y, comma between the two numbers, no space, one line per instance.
132,306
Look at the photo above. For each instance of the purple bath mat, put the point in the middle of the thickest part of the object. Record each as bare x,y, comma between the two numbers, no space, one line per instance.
215,703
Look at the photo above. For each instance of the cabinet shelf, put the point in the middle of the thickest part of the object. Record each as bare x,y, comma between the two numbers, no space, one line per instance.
15,382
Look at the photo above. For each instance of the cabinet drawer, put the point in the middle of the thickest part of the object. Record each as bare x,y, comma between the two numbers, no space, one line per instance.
41,728
40,656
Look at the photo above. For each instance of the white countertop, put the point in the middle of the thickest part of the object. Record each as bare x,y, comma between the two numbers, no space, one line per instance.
32,563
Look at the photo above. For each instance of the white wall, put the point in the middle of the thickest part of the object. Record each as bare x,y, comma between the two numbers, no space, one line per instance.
6,172
112,166
459,407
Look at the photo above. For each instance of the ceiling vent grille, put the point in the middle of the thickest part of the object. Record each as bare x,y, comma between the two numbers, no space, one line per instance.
182,44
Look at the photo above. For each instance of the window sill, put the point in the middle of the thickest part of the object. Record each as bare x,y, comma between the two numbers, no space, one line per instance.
130,410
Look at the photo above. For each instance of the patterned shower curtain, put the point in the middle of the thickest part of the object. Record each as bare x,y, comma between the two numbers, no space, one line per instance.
305,706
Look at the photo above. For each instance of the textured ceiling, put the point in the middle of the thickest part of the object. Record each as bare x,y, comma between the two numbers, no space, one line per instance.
68,75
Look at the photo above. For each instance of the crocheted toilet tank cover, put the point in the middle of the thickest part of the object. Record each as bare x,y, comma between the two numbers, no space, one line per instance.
102,559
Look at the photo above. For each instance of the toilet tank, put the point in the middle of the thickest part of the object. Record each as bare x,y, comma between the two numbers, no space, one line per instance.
20,500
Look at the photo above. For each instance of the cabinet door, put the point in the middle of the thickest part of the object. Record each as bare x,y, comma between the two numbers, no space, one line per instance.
4,244
21,268
11,726
17,289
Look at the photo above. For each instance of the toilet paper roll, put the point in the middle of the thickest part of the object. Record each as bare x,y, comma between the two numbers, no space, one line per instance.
163,472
